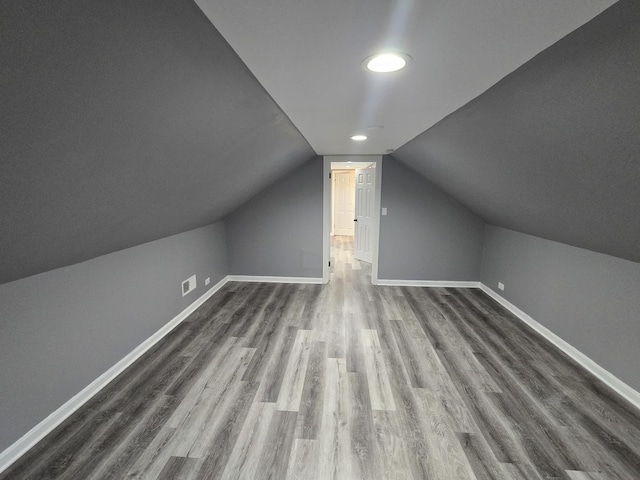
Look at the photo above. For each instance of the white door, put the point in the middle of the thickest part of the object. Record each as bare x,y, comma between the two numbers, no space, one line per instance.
365,190
344,203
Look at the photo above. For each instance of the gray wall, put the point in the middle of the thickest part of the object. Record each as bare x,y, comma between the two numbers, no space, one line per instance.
588,299
426,235
62,329
279,231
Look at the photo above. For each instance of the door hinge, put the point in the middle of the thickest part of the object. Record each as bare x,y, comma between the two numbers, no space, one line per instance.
329,174
329,263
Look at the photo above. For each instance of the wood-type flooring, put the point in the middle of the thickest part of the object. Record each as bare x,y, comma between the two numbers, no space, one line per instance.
346,381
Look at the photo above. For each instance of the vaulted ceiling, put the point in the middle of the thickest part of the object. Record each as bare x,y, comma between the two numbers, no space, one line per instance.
124,122
308,55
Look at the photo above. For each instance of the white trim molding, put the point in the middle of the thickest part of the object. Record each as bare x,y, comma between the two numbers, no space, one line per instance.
624,390
37,433
326,217
377,202
270,279
326,208
427,283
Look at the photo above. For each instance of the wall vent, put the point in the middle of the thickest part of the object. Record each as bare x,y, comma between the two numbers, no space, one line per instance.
188,285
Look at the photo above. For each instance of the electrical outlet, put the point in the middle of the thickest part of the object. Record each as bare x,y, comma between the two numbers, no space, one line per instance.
500,286
188,285
207,280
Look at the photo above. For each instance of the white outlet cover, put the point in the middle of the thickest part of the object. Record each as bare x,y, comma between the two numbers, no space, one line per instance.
384,210
500,285
207,280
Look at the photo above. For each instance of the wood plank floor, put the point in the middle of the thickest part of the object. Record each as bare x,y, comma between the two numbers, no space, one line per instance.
346,381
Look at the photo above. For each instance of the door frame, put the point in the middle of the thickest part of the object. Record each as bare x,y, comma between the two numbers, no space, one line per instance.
326,210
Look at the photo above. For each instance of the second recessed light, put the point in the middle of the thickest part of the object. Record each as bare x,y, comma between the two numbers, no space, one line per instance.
359,138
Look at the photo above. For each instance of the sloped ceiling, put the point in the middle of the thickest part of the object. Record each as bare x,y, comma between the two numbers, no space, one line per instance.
308,54
123,122
553,150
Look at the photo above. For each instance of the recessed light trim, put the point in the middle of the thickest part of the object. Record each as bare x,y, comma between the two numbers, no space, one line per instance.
386,62
359,138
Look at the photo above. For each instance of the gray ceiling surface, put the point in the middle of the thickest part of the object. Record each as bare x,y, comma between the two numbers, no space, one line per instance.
308,54
124,122
553,149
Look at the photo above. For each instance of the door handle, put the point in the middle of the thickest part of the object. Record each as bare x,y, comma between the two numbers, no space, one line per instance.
355,219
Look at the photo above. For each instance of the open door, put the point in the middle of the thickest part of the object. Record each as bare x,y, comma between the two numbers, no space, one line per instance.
363,231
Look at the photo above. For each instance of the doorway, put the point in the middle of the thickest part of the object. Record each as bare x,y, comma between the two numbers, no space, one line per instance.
351,202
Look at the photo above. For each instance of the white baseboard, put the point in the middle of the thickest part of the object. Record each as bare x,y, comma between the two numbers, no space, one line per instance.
267,279
605,376
37,433
427,283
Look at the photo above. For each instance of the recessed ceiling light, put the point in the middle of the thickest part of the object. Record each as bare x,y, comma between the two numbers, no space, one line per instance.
359,138
386,62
